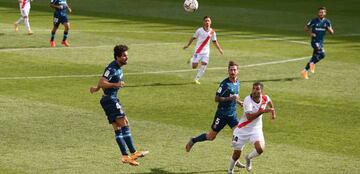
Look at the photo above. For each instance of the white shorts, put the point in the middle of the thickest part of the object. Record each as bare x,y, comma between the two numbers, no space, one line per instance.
200,57
241,137
26,10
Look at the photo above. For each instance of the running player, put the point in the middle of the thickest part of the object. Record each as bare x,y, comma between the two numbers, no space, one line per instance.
317,28
250,126
110,83
24,10
202,50
60,17
227,96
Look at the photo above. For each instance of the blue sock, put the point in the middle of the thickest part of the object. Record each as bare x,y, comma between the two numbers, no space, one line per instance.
65,35
200,138
127,137
120,141
52,36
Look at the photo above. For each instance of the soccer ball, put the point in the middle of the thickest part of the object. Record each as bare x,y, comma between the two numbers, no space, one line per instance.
191,5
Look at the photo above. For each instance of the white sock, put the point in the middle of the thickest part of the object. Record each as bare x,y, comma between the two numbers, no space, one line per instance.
200,72
19,20
27,23
232,165
253,154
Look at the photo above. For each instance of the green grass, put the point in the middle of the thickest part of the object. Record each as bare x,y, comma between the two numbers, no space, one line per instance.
54,125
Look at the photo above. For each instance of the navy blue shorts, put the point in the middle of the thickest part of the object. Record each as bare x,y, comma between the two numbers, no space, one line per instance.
220,121
318,47
60,20
112,108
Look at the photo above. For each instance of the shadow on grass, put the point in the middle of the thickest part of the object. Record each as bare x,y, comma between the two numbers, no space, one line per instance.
287,79
161,171
160,84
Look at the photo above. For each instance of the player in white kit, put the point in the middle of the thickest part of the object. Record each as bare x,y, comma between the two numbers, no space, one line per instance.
250,126
202,49
25,10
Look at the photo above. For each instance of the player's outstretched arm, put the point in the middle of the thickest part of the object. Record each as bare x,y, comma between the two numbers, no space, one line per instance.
105,84
56,6
216,43
189,43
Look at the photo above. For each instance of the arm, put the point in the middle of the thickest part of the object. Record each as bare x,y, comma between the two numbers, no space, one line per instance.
216,43
56,6
68,7
308,30
253,116
226,99
189,43
330,30
273,113
105,84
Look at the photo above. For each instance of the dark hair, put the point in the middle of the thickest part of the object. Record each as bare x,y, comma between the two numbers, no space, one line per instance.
232,63
206,17
259,84
322,8
119,50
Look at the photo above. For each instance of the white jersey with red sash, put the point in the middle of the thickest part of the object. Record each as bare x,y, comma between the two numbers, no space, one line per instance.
250,106
24,7
250,130
203,40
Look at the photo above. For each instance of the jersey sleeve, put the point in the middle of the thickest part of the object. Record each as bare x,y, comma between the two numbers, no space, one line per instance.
108,73
52,1
328,24
213,37
247,105
221,90
310,23
196,34
268,99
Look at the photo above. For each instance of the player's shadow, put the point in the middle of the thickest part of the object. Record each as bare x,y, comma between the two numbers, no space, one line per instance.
287,79
159,84
162,171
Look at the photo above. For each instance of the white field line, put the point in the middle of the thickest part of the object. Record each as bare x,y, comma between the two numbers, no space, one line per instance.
81,47
155,72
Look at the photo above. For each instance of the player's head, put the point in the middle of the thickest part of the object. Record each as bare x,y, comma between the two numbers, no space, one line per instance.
207,21
257,89
121,54
233,69
322,12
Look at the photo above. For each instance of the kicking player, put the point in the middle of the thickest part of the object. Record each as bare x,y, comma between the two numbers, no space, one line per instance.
60,17
202,50
227,96
250,126
110,83
317,28
24,10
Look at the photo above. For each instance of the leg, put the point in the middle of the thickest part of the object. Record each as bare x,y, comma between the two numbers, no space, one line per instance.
66,32
16,24
27,25
234,161
204,61
259,149
53,31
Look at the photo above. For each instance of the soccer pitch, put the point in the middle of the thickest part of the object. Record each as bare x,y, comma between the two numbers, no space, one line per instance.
50,123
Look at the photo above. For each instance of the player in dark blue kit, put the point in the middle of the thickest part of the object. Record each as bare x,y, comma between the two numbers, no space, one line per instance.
60,17
110,83
317,29
227,96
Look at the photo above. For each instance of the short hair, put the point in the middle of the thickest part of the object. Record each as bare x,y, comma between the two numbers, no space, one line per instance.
119,50
232,63
206,17
322,8
259,84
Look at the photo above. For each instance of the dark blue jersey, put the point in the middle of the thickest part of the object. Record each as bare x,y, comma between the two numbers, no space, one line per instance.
226,89
60,12
319,27
114,74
